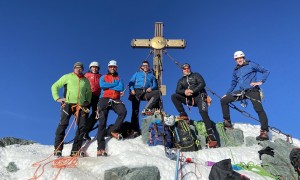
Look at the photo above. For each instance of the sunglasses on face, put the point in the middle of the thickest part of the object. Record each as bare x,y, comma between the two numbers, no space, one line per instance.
185,68
115,67
145,65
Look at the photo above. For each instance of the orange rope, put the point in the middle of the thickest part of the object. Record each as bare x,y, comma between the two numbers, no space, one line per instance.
76,109
64,162
41,166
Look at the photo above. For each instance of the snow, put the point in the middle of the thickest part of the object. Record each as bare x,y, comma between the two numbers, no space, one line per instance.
131,153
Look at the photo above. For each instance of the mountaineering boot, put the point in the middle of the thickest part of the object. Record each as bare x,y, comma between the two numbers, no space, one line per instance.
147,112
86,137
74,153
101,152
116,135
227,124
211,139
263,136
57,153
183,116
77,153
133,134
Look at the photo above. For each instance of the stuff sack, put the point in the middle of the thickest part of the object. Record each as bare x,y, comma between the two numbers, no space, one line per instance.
159,134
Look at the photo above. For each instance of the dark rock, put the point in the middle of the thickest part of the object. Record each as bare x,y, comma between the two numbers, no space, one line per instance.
12,167
6,141
278,165
125,173
2,144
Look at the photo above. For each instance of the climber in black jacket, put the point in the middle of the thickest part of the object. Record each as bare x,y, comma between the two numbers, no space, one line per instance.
190,90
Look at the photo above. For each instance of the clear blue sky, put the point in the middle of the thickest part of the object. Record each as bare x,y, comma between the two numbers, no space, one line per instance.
41,40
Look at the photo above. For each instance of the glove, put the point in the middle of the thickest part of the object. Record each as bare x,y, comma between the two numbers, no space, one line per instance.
268,150
61,100
85,103
97,113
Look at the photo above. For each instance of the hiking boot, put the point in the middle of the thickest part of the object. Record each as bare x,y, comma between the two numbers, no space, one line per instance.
227,124
211,141
77,153
86,137
263,136
147,112
101,152
116,135
57,153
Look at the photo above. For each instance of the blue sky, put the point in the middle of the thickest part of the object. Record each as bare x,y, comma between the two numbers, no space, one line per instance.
41,40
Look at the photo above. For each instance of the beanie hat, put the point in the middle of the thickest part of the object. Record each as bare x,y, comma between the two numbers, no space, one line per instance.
78,64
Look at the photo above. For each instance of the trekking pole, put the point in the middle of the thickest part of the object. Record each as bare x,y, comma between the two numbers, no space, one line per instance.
177,164
125,89
246,114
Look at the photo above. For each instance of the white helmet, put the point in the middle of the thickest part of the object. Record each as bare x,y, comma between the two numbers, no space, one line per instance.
238,54
169,120
112,63
94,63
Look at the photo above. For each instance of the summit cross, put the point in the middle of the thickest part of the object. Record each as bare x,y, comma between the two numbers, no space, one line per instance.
158,43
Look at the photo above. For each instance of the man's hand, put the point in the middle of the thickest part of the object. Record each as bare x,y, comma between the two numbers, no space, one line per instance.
61,100
188,92
97,113
122,93
133,92
149,90
253,84
85,103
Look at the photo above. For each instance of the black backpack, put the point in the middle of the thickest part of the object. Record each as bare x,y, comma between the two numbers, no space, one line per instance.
183,137
295,159
222,170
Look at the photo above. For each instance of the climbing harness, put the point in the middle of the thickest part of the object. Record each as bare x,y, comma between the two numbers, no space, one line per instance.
187,101
246,114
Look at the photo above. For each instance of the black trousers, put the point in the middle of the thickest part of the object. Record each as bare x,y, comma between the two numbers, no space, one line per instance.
66,113
105,105
199,102
254,96
135,104
92,118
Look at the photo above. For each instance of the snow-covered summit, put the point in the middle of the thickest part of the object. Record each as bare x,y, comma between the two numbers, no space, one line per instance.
131,153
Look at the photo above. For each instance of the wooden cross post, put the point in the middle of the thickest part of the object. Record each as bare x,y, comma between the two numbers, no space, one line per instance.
158,43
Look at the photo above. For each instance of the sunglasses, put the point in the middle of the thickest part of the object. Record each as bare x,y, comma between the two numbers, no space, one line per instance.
185,68
145,65
112,67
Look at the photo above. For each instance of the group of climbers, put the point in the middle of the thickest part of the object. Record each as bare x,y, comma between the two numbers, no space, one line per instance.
102,93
